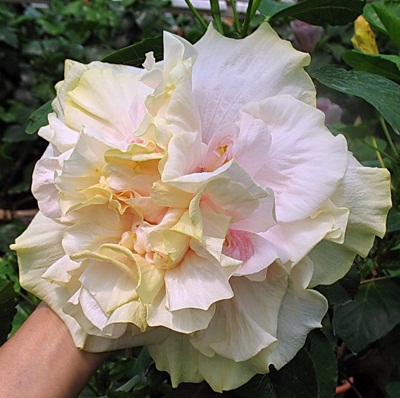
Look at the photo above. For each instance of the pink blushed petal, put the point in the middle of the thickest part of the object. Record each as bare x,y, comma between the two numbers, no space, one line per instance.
301,177
255,252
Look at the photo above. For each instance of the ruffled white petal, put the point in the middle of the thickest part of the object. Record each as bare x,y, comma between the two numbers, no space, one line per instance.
301,311
243,316
186,364
182,321
301,177
270,67
197,283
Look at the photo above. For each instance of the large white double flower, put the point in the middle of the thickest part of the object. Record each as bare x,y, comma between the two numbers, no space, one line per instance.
192,205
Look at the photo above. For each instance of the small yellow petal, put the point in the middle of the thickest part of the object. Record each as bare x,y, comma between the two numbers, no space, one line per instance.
364,38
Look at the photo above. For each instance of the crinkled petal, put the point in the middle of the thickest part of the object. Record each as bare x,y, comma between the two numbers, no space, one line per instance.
245,315
184,154
256,252
299,237
110,287
60,272
82,170
95,228
73,71
185,364
301,177
132,337
331,262
113,109
364,188
43,187
182,321
361,188
58,134
237,72
301,311
252,144
197,283
38,248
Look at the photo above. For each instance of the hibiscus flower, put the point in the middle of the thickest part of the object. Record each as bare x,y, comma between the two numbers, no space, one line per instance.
191,206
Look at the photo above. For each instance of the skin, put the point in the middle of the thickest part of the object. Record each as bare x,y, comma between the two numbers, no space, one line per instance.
41,360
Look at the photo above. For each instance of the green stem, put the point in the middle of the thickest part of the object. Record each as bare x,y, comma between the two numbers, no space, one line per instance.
379,150
247,19
196,14
379,278
235,16
216,14
254,8
378,155
387,134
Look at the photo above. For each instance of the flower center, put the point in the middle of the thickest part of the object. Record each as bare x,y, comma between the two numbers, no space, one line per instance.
218,157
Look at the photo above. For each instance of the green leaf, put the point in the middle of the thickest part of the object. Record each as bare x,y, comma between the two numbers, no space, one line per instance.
118,394
316,12
342,291
38,118
8,233
8,36
393,221
325,363
393,389
297,379
380,92
380,64
389,14
7,309
135,54
270,8
372,18
143,363
259,386
374,312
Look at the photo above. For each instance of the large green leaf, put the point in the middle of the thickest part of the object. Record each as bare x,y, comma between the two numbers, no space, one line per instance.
297,379
389,14
325,363
371,16
135,54
393,389
38,118
393,221
380,64
316,12
380,92
7,309
342,291
374,312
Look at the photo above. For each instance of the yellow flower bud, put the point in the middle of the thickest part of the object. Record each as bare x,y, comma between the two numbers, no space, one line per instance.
364,38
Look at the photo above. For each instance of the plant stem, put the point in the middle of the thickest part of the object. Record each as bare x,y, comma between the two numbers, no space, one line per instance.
196,14
387,134
235,16
254,8
247,19
378,155
380,278
216,14
250,12
378,150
